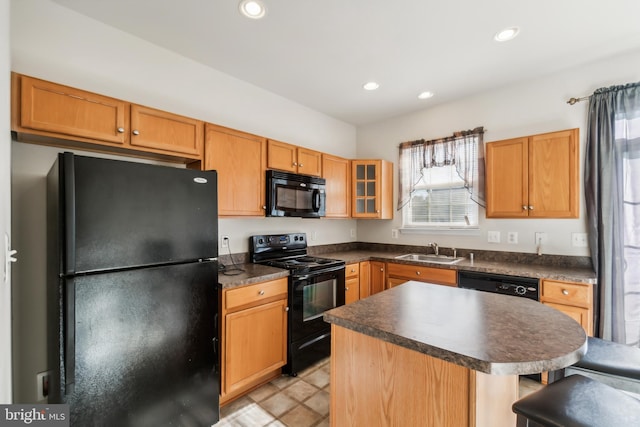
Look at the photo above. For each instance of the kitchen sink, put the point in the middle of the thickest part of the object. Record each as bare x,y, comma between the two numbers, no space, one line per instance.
432,258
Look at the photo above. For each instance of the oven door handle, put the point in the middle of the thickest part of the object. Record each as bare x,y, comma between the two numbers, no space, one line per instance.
317,273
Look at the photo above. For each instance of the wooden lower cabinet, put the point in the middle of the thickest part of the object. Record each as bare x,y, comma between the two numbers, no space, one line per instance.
400,273
573,299
351,282
378,278
377,383
253,336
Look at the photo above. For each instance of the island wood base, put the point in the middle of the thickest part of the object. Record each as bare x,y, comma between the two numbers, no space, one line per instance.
376,383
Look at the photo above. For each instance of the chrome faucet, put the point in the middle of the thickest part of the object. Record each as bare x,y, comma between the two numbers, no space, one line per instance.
435,247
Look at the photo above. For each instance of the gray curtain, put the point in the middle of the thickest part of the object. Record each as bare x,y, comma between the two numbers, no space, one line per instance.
465,150
612,195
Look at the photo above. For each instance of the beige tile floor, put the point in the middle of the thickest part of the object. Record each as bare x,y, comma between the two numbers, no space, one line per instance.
301,401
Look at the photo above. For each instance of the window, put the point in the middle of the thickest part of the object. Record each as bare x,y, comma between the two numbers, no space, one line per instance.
441,182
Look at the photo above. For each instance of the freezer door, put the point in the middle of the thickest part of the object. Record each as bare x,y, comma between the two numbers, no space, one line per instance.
139,348
117,214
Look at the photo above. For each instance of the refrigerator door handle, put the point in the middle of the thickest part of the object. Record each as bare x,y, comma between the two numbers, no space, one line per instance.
68,217
69,334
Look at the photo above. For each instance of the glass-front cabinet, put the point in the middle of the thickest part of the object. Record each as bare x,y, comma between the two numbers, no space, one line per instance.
372,189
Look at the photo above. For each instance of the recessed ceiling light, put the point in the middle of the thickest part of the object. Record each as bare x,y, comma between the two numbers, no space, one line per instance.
370,86
506,34
253,9
425,95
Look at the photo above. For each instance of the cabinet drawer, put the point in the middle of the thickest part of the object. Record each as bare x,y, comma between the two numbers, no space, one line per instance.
255,293
352,270
576,294
422,274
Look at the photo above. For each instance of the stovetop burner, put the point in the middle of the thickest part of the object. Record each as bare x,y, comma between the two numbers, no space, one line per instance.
288,251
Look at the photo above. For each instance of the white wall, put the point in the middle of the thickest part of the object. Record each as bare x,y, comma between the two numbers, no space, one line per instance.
522,109
56,44
5,212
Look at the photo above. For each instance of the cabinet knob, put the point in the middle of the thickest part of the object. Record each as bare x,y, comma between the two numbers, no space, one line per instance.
524,207
295,164
301,165
120,130
530,207
418,273
136,132
381,269
565,292
261,292
286,309
346,289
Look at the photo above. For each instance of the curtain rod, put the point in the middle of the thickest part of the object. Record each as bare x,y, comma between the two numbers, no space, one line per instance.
572,101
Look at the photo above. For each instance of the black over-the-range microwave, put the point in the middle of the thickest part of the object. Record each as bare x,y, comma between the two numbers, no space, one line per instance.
290,194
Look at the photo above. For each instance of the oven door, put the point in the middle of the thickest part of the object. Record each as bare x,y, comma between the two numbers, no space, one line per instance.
311,296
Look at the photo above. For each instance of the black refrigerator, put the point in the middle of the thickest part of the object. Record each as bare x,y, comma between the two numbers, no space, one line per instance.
132,293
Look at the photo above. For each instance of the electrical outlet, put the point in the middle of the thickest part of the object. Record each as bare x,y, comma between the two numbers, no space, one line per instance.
314,235
541,238
353,232
579,240
512,237
394,233
224,241
493,236
43,384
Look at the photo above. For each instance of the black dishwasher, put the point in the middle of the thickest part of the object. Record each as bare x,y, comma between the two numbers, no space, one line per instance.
526,287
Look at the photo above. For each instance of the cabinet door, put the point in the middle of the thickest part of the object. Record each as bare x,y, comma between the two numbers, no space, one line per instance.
365,279
553,175
579,314
366,189
378,277
336,172
281,156
240,160
309,162
255,343
507,177
159,130
70,113
352,290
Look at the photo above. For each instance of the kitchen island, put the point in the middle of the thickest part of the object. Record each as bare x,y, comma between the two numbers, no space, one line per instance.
430,355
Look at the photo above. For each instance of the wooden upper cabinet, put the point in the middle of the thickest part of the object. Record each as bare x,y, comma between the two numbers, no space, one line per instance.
337,173
309,162
507,177
159,130
290,158
282,156
51,109
372,189
535,176
240,159
49,113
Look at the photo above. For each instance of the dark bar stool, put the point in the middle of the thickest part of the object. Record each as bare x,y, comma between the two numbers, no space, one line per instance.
577,401
617,365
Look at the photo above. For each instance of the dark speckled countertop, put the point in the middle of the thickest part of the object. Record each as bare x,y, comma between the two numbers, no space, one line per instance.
490,333
558,270
248,274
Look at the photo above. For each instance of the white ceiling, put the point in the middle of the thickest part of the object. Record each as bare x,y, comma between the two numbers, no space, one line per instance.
319,53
